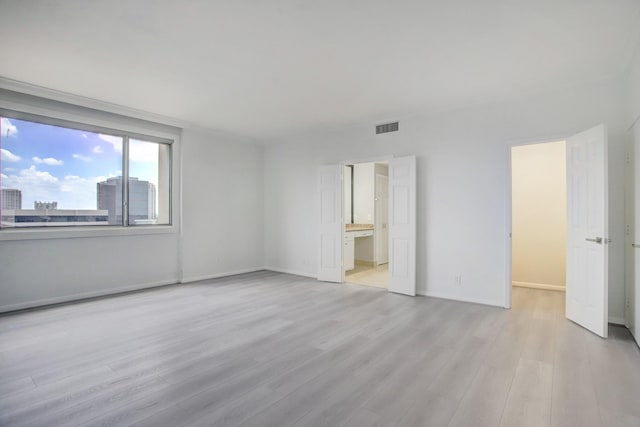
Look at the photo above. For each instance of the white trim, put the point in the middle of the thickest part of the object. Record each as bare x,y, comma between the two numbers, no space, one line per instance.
288,271
84,232
508,232
83,295
191,279
616,320
377,159
465,299
545,286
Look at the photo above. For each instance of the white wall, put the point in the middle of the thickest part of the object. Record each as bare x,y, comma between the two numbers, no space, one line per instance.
36,272
539,211
222,206
462,186
632,85
363,193
222,225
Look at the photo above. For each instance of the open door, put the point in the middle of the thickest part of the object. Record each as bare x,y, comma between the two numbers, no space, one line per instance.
587,230
331,223
402,225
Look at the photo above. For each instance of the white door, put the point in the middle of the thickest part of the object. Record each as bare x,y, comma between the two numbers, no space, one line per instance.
382,219
331,223
402,225
587,230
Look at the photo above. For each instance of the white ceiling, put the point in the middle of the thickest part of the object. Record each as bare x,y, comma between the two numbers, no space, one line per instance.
264,68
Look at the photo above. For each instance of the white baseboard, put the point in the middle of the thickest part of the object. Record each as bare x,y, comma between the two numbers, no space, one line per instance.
287,271
544,286
83,295
617,320
471,300
636,340
190,279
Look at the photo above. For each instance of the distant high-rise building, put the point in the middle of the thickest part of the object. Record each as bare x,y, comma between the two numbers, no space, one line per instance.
11,199
20,218
45,206
142,199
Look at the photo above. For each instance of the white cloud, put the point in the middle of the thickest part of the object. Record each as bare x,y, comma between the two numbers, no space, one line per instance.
47,161
37,184
140,151
84,135
81,157
8,156
97,149
82,187
8,128
3,176
9,169
116,141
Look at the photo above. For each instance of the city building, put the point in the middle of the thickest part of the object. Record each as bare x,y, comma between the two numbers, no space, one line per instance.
142,200
15,218
41,206
11,199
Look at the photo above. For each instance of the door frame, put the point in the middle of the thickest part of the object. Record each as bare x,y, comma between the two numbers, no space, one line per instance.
354,162
509,208
376,255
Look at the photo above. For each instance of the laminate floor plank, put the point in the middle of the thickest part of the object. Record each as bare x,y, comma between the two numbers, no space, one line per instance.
484,401
529,399
267,348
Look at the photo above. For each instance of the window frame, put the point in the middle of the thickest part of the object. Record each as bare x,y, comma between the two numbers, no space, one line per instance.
114,128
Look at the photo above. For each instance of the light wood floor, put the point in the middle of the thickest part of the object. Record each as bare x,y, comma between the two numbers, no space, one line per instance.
268,349
369,276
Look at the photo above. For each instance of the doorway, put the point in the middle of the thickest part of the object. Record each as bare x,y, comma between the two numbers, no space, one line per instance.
586,229
401,226
539,216
366,212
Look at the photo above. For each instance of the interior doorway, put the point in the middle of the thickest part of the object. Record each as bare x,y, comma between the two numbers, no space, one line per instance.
539,216
366,213
401,227
586,229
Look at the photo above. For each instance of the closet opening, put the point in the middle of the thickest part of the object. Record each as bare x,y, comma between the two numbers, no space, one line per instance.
539,223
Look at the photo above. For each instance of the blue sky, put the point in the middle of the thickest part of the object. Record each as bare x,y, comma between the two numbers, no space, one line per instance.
49,163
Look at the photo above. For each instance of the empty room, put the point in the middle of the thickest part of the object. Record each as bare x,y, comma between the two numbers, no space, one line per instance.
337,213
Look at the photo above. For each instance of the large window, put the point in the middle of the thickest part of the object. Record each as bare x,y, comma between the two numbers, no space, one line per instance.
59,173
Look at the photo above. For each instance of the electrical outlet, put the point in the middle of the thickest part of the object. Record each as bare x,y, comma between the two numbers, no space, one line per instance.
458,279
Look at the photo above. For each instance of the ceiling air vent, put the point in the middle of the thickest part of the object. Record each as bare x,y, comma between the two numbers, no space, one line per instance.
387,127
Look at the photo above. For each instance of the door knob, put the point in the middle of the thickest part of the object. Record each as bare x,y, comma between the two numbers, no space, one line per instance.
635,245
596,240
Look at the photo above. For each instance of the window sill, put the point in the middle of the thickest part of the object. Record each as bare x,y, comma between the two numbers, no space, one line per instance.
85,232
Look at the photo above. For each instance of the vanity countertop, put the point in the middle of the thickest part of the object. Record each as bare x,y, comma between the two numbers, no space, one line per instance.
358,227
